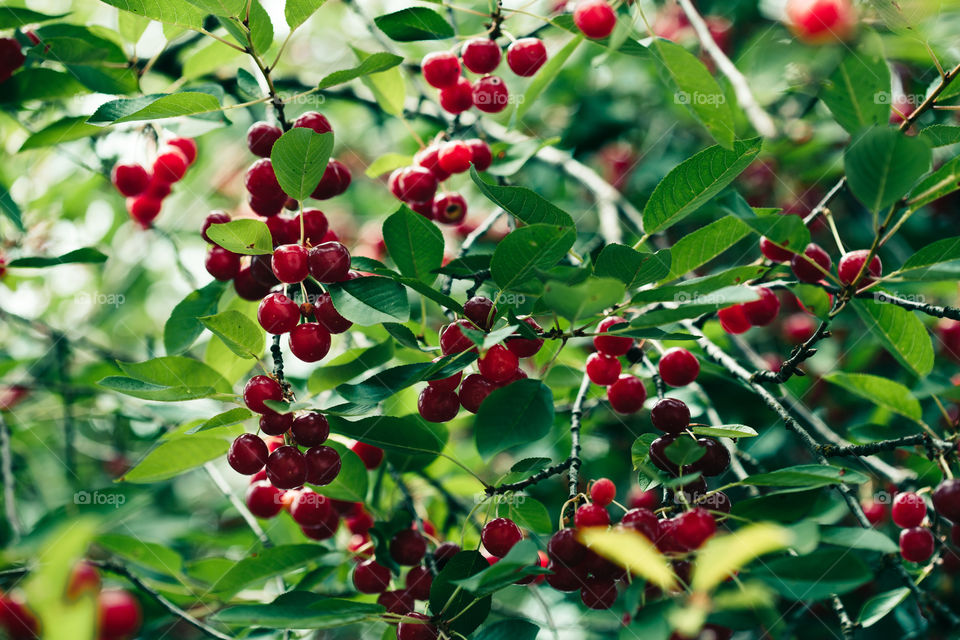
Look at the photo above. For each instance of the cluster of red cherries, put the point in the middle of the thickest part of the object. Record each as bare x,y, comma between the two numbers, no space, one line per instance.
440,400
11,58
146,190
118,613
417,185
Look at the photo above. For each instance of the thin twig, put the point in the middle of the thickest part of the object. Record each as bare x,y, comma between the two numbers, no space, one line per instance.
575,418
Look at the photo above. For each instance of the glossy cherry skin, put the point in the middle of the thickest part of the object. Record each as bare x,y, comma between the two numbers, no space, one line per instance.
399,602
407,547
481,311
773,252
715,461
480,55
323,464
643,521
916,544
216,217
371,577
313,120
371,455
130,179
260,138
418,582
315,226
734,319
603,369
526,55
946,499
329,262
851,264
453,340
248,454
278,314
438,405
594,18
908,510
498,364
186,146
310,429
598,593
223,265
694,527
144,209
678,367
565,548
258,389
440,69
762,312
482,156
247,287
612,345
261,181
821,21
449,208
526,347
309,508
336,179
458,97
591,515
627,394
286,468
670,415
490,94
170,166
416,626
804,265
499,536
263,499
455,156
310,342
603,492
290,263
118,614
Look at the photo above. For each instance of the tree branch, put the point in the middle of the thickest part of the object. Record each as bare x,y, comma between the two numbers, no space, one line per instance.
575,417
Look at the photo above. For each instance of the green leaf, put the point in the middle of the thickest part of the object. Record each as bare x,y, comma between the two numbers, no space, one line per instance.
525,250
631,267
941,135
299,610
296,12
938,184
16,17
387,163
446,595
183,326
40,83
815,576
882,165
726,431
154,107
691,305
383,384
10,209
945,250
706,243
409,439
225,419
388,87
370,300
877,607
154,392
805,475
582,300
858,538
684,451
785,230
546,74
349,365
521,412
697,89
173,12
414,243
173,457
299,159
87,255
151,555
880,391
241,334
529,514
59,132
414,23
244,236
723,555
509,630
901,332
223,8
524,204
632,551
858,91
268,563
519,562
172,371
695,181
261,27
352,482
375,63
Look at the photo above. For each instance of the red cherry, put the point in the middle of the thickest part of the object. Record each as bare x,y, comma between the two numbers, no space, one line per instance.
325,530
565,548
734,319
11,55
526,55
336,178
498,364
371,577
946,499
474,391
157,189
603,492
852,262
263,499
449,208
278,314
290,263
876,512
694,527
327,315
323,465
526,347
416,626
310,508
222,264
118,614
908,510
371,455
598,593
482,156
443,553
418,583
315,225
627,394
643,521
762,312
640,499
455,156
130,179
658,454
186,146
286,467
594,18
798,328
309,342
16,620
715,461
310,429
247,287
591,515
490,94
329,262
440,69
247,454
458,97
258,389
313,120
268,209
481,311
438,405
217,217
805,267
916,544
603,369
670,415
480,55
774,253
821,21
260,138
84,579
678,367
170,166
261,182
399,602
612,345
407,547
413,184
499,536
452,339
144,210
